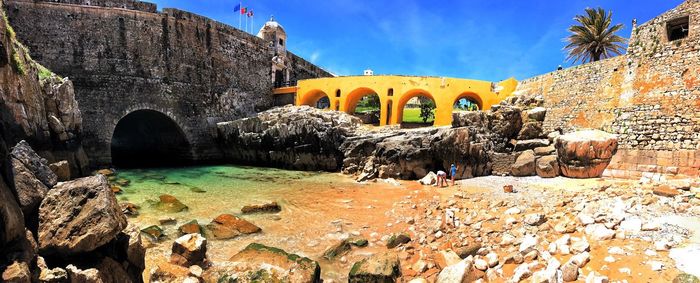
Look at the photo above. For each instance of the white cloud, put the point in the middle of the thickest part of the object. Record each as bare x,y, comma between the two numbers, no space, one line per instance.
314,56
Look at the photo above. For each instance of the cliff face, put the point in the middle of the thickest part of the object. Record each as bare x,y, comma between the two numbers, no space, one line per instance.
37,106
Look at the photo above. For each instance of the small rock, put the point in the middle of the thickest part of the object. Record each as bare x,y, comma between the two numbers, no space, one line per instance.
398,239
665,191
569,272
581,259
599,232
272,207
191,227
227,226
535,219
481,264
188,250
529,243
492,259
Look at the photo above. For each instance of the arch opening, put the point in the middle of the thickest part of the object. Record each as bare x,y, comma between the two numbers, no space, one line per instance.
416,109
148,138
365,104
467,102
316,98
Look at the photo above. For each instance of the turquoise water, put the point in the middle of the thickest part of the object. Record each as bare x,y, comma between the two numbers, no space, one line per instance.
318,209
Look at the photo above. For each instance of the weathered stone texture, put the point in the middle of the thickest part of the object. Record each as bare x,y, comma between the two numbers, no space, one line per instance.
195,70
649,97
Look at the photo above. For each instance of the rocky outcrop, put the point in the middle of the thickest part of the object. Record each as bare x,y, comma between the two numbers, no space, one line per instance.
411,154
79,216
301,138
585,154
310,139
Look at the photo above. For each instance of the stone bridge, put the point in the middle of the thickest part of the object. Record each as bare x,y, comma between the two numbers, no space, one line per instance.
152,85
394,93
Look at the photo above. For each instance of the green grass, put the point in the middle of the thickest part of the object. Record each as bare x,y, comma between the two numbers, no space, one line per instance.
365,109
412,115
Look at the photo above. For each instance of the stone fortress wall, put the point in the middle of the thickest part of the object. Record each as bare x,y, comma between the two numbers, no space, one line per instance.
123,56
650,97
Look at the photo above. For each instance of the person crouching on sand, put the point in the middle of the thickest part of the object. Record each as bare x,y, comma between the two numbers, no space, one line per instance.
441,177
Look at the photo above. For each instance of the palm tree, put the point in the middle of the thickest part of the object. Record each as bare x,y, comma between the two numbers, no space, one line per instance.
594,39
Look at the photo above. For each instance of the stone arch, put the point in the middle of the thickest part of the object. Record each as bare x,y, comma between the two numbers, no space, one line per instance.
312,98
146,138
356,95
472,97
406,97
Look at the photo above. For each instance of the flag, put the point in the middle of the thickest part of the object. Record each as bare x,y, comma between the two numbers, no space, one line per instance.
237,8
244,10
250,13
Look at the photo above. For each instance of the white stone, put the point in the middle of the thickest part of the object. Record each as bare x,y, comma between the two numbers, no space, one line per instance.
529,243
631,225
507,239
656,265
521,272
651,226
616,251
580,246
581,259
599,232
609,259
455,273
492,259
585,219
512,211
661,245
481,264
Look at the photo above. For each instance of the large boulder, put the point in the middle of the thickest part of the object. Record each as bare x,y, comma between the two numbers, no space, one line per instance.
381,267
79,216
524,165
585,154
460,272
32,178
547,166
38,166
227,226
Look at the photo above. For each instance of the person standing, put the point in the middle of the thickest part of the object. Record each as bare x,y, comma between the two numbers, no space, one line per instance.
453,173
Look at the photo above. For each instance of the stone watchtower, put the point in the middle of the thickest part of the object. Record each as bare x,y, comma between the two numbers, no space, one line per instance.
273,33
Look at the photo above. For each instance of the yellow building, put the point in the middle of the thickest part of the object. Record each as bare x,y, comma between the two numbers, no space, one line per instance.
394,92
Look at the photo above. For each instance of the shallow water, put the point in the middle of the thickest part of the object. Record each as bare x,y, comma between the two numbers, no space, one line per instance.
318,209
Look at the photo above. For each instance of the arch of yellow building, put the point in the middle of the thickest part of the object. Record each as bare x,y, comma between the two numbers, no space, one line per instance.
395,91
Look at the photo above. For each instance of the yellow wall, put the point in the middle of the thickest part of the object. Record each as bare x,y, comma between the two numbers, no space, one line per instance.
444,91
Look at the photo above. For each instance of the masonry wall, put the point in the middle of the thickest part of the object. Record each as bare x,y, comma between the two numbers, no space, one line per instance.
124,56
650,97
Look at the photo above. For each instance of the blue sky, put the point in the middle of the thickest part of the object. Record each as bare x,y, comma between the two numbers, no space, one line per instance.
489,40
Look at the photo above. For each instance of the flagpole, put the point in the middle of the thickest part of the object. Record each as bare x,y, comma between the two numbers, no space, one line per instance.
246,21
240,6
